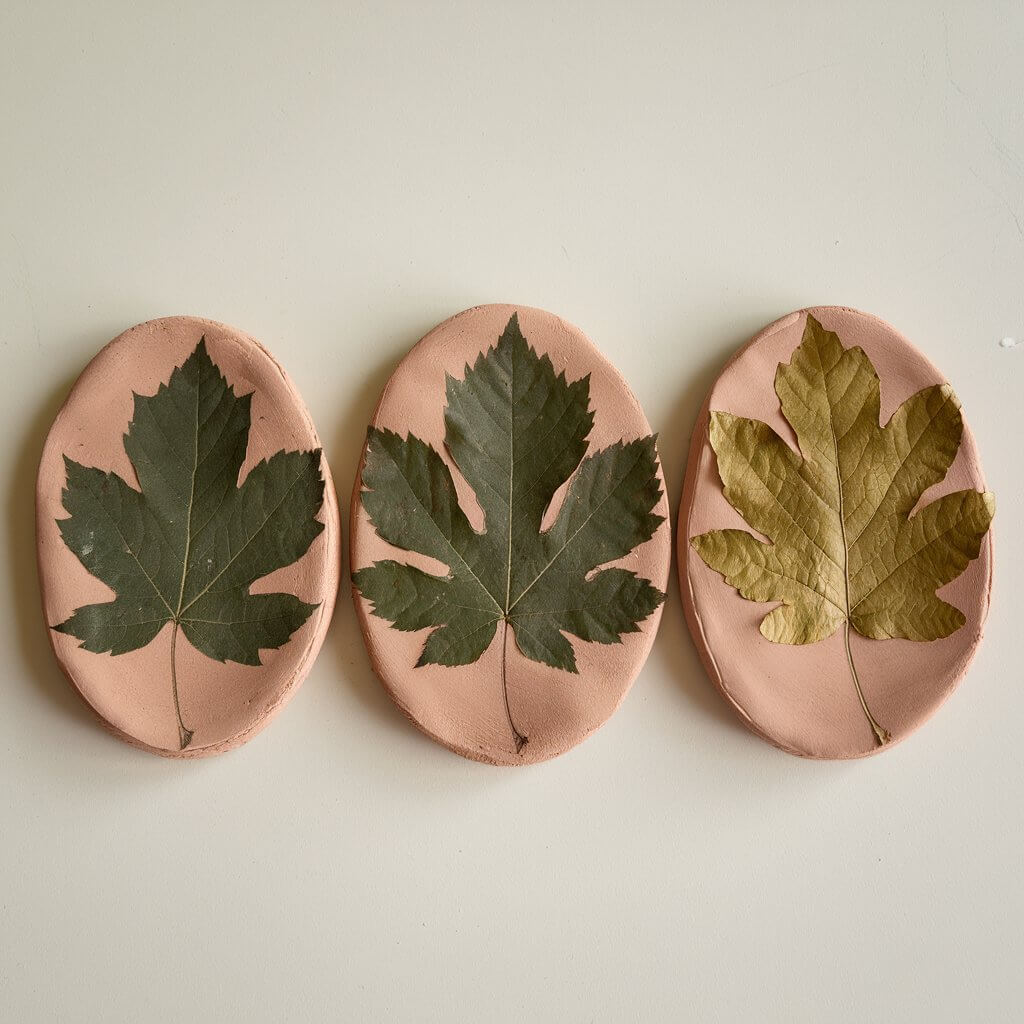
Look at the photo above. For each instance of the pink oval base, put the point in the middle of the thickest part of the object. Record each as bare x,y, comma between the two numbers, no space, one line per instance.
225,703
801,698
462,707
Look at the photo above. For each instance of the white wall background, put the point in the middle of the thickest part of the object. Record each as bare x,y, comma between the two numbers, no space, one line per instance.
335,179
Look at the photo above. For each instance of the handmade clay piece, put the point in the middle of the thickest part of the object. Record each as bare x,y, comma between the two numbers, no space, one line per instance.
834,552
188,537
509,543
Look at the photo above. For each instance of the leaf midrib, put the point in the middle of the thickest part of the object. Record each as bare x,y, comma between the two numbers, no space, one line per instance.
191,506
839,486
511,481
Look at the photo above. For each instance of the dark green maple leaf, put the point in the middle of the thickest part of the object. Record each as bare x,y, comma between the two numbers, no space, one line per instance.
517,431
185,547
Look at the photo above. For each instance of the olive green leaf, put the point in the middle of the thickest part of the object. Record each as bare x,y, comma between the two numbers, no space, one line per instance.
517,431
186,546
845,548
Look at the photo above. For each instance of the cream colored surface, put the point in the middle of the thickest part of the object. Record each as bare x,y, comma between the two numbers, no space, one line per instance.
338,177
463,707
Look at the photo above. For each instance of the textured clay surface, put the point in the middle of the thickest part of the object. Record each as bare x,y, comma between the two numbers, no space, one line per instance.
462,707
224,703
801,698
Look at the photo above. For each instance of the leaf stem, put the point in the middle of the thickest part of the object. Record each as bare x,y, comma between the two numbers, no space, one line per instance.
882,736
184,735
520,739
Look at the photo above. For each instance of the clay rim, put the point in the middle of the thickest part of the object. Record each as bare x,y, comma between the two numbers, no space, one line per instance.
684,550
332,525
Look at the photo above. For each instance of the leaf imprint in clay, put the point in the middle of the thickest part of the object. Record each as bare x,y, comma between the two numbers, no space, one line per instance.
183,543
515,429
852,543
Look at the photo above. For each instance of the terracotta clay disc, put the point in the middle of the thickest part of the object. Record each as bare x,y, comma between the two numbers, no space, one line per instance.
464,707
226,477
801,696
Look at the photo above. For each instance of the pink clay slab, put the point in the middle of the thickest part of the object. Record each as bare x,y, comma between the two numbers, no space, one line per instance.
801,698
462,707
224,704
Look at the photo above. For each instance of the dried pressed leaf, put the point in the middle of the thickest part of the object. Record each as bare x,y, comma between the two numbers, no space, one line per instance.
517,431
845,548
186,546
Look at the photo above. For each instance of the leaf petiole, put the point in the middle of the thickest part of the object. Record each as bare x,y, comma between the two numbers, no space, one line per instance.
184,735
519,738
882,736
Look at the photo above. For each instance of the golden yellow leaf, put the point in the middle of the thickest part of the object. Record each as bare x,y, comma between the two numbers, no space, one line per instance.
845,549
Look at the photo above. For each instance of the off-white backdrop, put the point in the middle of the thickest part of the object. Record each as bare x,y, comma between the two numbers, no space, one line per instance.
335,179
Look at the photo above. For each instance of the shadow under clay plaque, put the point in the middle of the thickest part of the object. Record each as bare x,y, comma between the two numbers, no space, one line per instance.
516,636
188,537
799,689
